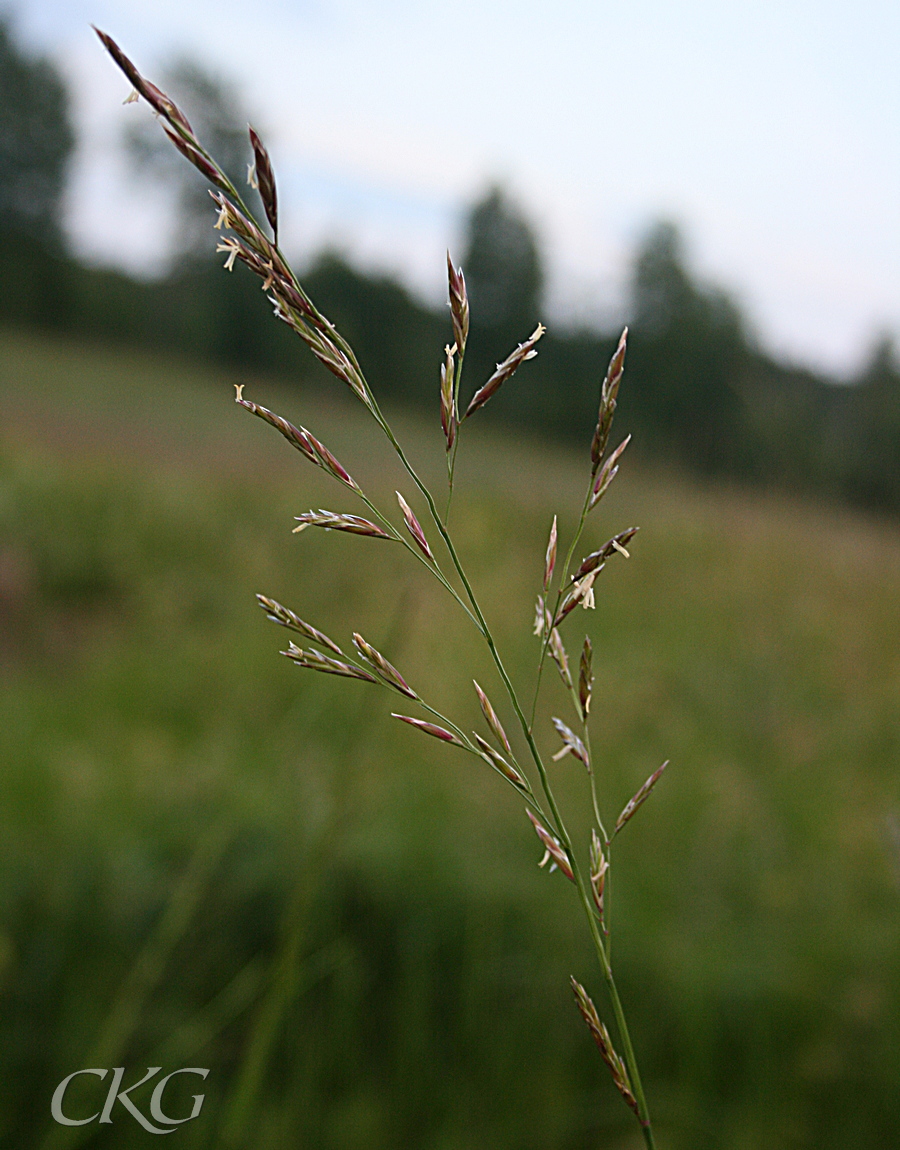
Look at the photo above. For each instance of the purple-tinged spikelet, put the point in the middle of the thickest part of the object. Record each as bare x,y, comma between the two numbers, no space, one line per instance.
599,867
327,461
497,761
604,1043
585,678
265,179
286,618
385,670
572,745
316,661
429,729
459,305
553,849
157,100
194,156
449,415
504,370
414,527
331,521
305,442
174,122
560,657
582,582
294,436
598,557
641,797
550,558
607,473
608,393
491,719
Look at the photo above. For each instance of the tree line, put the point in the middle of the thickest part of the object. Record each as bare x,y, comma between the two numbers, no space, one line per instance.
701,393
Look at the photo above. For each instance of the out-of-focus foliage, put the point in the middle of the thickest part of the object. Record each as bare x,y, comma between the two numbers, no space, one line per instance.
870,474
502,265
36,140
689,355
157,753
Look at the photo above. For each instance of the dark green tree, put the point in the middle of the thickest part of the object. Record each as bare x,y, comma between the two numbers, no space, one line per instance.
687,360
865,432
502,265
36,141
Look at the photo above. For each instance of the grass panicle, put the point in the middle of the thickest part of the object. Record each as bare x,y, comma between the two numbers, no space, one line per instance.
244,240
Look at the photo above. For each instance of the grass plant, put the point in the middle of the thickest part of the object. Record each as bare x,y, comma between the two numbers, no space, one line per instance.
564,588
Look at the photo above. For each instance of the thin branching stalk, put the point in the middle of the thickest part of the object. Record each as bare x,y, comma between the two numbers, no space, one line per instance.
245,239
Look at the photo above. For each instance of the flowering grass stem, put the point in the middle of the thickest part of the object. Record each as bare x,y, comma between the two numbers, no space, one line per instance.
249,243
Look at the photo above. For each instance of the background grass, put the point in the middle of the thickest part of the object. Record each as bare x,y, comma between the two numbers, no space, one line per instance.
212,858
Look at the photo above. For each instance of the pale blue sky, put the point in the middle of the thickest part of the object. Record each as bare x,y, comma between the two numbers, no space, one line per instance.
769,130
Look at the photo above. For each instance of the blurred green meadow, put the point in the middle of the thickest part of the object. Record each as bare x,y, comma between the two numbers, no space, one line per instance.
212,858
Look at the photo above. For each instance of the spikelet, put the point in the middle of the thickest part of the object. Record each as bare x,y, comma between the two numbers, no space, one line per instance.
553,849
174,122
265,182
638,799
496,760
597,558
449,416
604,1043
429,729
599,867
541,617
286,618
316,661
459,305
386,671
572,745
493,722
585,678
193,154
158,101
607,474
558,651
414,528
608,393
304,441
504,370
582,582
550,558
332,521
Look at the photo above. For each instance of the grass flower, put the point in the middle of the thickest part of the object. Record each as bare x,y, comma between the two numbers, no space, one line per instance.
518,760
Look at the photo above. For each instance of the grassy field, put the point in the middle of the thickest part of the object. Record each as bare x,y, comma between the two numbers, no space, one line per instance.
211,858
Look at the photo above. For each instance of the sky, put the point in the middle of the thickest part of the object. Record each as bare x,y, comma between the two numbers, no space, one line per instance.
768,130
